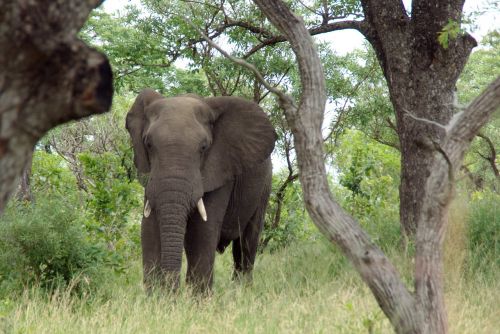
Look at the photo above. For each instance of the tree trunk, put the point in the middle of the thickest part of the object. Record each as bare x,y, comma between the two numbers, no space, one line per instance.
24,191
280,198
48,77
431,103
421,76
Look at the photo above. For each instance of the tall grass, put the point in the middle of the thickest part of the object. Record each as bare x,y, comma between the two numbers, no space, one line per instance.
304,288
483,239
472,292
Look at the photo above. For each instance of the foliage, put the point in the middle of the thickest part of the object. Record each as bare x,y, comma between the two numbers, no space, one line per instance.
369,175
110,201
46,244
98,134
51,176
91,164
360,99
96,159
450,31
68,236
136,55
294,224
181,81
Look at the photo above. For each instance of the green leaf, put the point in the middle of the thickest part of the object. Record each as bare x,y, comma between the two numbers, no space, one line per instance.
449,32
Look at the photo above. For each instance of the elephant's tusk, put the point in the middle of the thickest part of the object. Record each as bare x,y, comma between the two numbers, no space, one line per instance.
147,209
201,209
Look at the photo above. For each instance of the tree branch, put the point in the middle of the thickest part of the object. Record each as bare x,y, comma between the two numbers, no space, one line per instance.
438,194
464,127
387,143
283,97
246,25
324,28
343,110
492,158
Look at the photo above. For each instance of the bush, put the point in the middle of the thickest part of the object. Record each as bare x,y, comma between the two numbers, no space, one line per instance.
294,223
111,199
46,244
368,180
51,176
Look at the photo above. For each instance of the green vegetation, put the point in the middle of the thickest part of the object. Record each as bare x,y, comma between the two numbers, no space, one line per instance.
45,245
484,235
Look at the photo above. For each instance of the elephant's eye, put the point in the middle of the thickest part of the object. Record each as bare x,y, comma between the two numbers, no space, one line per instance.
203,146
147,142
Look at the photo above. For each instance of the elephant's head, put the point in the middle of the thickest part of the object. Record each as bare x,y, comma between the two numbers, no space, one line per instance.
188,146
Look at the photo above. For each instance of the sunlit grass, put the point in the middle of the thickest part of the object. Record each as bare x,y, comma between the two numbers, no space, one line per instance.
306,287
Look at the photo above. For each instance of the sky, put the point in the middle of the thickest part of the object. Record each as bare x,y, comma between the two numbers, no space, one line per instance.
345,41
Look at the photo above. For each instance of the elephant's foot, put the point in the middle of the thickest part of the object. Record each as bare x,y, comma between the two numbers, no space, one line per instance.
152,278
157,280
244,277
200,285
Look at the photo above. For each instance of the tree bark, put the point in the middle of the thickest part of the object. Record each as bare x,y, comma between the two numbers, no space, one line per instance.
438,192
421,76
24,191
48,77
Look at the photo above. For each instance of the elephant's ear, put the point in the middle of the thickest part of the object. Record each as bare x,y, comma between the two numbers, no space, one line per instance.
136,119
243,136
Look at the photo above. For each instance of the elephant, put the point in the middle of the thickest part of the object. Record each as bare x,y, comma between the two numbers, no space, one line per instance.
208,177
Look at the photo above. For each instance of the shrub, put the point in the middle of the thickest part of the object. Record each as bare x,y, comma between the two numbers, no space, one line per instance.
51,175
46,244
111,198
367,187
294,223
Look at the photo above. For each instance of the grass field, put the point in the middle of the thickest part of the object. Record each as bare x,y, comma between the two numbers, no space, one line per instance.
305,288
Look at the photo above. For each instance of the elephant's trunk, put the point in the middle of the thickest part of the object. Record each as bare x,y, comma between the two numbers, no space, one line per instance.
173,201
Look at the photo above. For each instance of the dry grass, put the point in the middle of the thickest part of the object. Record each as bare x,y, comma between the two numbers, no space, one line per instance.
306,288
473,307
455,244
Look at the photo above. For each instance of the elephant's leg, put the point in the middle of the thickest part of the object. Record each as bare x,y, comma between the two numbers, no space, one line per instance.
237,256
245,247
150,242
202,238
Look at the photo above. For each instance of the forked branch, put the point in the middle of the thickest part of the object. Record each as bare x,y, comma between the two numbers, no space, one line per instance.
284,98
